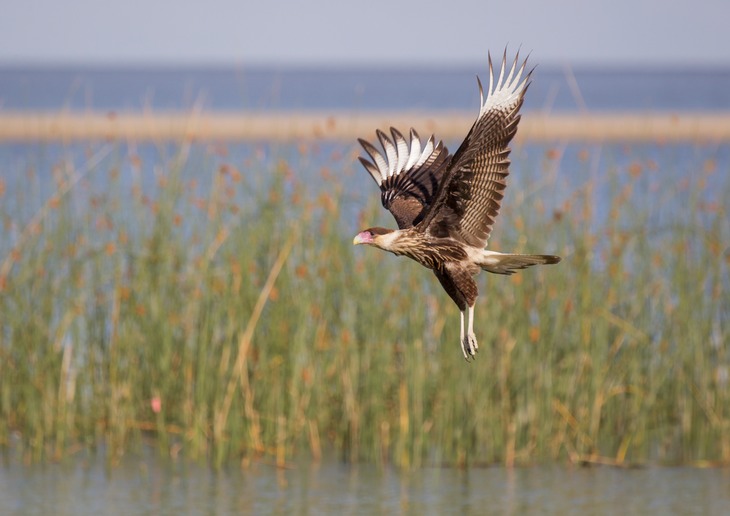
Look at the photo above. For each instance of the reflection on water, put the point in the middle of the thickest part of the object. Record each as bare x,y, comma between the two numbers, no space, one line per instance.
151,486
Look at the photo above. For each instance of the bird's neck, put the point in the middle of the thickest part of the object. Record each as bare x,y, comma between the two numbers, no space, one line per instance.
395,241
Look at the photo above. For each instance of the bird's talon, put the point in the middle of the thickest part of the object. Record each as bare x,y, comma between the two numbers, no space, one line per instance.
470,345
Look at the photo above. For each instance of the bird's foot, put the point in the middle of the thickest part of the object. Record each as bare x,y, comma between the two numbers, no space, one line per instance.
469,346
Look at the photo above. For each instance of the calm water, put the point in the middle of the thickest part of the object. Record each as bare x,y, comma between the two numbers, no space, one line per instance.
559,89
144,486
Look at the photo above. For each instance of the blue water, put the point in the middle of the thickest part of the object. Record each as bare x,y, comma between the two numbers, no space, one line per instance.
360,89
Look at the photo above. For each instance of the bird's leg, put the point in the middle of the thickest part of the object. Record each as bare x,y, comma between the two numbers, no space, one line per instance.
471,329
463,347
468,340
470,344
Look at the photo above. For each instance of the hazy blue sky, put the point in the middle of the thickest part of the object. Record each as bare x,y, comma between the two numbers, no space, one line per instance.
367,31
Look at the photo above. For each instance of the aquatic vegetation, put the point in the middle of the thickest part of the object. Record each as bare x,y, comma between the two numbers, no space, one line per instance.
197,296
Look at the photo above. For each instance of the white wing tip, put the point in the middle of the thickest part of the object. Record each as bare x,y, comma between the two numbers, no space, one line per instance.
397,156
506,91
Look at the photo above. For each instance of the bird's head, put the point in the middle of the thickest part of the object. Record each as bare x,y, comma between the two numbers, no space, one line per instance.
378,237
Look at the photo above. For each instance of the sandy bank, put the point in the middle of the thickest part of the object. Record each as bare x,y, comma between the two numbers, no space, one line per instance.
70,126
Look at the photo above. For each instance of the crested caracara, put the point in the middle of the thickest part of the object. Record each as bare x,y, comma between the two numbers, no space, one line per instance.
445,204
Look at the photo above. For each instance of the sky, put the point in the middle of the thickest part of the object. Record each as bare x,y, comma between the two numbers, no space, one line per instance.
367,32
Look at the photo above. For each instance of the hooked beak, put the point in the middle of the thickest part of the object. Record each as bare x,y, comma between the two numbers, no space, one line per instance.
362,238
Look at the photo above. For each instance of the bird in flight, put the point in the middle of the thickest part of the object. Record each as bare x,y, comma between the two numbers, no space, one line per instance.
444,204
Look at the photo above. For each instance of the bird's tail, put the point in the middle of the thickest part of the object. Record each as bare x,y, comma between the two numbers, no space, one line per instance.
501,263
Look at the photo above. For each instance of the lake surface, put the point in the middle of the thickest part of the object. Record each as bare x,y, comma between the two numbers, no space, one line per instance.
355,89
155,486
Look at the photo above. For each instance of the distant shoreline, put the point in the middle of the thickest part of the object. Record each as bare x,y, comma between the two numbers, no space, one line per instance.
68,126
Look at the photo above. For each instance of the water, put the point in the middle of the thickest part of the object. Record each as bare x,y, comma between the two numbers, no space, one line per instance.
662,187
152,486
243,88
361,89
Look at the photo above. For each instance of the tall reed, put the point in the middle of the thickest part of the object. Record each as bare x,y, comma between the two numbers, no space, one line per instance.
214,302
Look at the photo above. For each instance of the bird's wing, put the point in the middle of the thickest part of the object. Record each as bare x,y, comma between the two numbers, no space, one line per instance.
470,194
408,174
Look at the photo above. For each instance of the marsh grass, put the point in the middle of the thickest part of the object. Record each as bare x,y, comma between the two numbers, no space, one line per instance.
217,306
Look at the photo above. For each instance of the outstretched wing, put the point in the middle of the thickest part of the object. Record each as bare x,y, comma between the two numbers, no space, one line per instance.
470,195
408,175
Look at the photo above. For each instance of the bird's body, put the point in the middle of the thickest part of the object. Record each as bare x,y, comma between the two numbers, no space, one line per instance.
445,205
